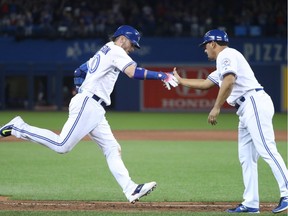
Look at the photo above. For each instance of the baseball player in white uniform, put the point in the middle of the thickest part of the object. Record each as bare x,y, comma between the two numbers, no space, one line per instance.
240,88
95,80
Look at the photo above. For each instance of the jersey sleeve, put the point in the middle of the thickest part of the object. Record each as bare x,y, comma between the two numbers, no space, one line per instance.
226,63
214,77
120,59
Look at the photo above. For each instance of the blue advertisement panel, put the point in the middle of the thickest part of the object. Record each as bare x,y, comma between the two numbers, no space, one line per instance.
267,57
153,50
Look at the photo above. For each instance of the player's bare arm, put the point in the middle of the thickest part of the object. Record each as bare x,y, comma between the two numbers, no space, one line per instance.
193,83
223,94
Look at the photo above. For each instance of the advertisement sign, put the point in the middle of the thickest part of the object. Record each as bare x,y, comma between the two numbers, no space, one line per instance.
155,97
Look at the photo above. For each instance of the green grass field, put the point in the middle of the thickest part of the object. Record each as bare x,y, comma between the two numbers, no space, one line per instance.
142,121
184,170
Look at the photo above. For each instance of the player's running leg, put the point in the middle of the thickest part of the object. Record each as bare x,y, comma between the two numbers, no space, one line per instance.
103,136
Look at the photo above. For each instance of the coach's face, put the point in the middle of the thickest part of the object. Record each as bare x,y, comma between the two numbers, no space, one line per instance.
209,49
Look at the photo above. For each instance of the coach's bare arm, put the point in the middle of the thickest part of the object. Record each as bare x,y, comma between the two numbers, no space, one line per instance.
194,83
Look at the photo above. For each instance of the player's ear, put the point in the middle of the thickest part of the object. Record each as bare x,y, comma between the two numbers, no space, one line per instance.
123,39
119,40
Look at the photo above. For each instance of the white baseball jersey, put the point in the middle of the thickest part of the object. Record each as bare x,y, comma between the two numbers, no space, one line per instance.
103,70
255,131
232,61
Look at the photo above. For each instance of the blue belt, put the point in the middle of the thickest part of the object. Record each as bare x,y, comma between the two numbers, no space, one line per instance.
95,97
242,99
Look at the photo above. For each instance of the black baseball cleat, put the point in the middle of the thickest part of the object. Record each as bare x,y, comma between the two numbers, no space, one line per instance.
6,130
142,190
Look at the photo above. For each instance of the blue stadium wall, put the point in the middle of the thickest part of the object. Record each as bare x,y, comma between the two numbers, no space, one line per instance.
56,59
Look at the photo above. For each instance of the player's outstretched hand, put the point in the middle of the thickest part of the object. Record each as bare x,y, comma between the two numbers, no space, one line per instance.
170,80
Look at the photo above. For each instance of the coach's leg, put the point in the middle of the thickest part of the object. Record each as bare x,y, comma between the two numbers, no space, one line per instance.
248,158
264,140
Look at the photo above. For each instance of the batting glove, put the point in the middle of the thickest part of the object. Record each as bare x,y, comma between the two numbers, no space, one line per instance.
170,80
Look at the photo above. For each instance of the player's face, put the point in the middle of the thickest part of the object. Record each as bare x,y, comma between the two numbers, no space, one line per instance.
209,50
128,46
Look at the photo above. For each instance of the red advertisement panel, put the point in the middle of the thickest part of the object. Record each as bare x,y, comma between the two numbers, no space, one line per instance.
155,97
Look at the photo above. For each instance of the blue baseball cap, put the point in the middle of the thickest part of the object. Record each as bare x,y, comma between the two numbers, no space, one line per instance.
129,32
214,35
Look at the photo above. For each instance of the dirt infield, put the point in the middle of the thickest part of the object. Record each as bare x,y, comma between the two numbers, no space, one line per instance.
19,205
121,206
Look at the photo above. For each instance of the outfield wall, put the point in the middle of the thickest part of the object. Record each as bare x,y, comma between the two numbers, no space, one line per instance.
39,72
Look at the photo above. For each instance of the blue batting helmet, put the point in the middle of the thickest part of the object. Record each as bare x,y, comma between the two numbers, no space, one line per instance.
129,32
214,35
